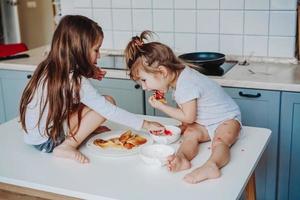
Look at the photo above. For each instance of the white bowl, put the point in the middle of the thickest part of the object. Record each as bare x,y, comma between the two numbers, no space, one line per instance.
156,154
168,139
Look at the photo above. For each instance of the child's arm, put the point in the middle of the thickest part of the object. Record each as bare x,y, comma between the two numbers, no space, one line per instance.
187,112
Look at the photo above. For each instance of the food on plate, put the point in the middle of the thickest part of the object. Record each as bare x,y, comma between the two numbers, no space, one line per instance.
162,133
127,140
170,135
160,96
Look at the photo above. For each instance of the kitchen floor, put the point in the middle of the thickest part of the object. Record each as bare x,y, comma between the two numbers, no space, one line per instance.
6,195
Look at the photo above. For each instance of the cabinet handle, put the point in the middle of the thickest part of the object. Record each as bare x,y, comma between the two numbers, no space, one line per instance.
137,86
29,76
249,95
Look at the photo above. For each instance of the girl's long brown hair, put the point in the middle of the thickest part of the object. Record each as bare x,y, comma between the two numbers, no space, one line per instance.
60,73
149,55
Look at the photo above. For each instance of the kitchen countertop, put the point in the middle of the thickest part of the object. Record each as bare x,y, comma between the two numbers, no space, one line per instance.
125,177
268,76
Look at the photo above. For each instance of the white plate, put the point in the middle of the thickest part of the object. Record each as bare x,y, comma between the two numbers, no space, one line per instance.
115,152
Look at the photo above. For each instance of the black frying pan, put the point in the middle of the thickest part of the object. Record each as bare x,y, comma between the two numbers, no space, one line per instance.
207,60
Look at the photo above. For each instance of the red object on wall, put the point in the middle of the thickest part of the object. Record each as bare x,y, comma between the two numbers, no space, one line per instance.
11,49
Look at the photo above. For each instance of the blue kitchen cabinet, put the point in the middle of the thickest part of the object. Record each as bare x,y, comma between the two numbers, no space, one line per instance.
289,147
126,93
260,108
151,111
2,114
12,85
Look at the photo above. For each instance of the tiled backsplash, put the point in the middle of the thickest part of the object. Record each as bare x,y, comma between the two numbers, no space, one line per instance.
264,28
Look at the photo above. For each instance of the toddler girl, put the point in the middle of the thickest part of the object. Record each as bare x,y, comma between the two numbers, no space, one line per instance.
205,110
59,107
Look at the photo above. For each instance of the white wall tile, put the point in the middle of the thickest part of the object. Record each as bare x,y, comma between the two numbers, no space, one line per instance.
108,40
256,22
211,4
283,4
78,11
121,39
208,21
121,3
231,22
185,42
166,38
237,27
232,4
179,4
65,4
207,42
256,45
282,47
231,44
101,3
283,23
163,4
257,4
142,19
142,3
103,18
185,21
82,3
163,20
122,19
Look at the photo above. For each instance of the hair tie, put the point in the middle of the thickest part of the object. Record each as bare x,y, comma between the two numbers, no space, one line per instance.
138,42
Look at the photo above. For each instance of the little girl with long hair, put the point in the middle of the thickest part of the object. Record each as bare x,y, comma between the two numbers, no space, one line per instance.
205,110
59,107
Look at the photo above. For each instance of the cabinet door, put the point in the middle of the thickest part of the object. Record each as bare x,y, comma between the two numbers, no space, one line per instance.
151,111
260,108
2,113
126,93
289,151
13,84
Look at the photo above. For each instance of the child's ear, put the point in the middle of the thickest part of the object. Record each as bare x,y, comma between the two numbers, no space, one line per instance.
163,70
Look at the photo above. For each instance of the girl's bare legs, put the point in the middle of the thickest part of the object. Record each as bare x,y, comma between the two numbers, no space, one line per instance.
226,134
193,134
90,121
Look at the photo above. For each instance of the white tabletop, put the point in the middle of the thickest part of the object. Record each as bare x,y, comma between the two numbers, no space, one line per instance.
124,177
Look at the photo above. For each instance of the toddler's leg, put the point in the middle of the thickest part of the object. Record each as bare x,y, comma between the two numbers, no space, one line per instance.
226,134
193,135
90,121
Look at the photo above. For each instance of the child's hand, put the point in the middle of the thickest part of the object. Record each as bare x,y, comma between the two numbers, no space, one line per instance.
154,102
99,73
153,127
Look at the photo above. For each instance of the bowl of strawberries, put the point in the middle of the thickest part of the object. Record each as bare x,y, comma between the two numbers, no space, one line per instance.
170,135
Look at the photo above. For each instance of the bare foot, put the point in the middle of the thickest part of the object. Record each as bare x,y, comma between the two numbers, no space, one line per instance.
66,151
207,171
177,163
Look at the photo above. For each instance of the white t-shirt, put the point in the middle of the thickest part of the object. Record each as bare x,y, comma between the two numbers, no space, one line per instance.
89,97
213,104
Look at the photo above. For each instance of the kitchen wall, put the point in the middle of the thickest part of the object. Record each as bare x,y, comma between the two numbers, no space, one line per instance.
264,28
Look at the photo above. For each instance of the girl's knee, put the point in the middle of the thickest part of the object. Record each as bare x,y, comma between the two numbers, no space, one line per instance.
194,133
110,99
227,139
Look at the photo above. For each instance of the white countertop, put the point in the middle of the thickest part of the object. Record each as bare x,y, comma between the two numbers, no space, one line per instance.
124,177
269,76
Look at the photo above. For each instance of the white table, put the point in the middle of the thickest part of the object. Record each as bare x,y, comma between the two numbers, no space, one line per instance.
125,177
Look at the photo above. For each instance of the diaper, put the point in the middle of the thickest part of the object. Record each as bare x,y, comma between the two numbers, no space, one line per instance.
211,129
